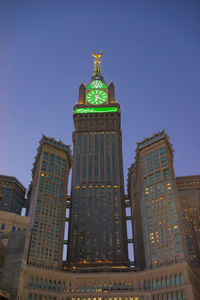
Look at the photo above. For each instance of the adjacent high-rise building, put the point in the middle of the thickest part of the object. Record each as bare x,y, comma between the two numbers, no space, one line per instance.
157,221
47,199
189,198
12,194
97,228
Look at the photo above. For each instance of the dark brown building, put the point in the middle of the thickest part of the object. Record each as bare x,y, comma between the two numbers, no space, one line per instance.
97,234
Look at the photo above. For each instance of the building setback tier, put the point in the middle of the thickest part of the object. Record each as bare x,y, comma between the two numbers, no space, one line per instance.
170,282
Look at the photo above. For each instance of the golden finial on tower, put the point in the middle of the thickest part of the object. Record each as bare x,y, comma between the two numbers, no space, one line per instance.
97,56
97,61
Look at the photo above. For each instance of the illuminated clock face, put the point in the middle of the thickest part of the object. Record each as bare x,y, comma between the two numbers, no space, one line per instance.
97,97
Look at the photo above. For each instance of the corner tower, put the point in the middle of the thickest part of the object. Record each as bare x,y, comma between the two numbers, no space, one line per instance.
97,231
157,223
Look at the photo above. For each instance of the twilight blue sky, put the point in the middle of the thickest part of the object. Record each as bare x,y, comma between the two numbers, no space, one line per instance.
151,52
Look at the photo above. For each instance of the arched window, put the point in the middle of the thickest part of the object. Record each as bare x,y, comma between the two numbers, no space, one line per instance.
168,296
172,282
50,284
159,297
145,285
36,282
30,297
158,283
31,282
183,295
85,287
100,286
95,287
153,284
90,288
177,281
130,287
149,284
167,281
115,286
59,285
54,285
178,295
63,286
162,282
120,286
181,278
41,283
139,285
45,284
174,296
164,297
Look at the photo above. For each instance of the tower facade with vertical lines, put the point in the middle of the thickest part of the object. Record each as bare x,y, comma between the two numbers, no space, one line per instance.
97,231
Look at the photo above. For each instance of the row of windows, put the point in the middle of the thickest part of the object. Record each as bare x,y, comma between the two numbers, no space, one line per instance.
50,188
178,295
46,265
164,282
40,297
46,284
151,284
3,227
98,287
43,297
109,298
154,160
54,164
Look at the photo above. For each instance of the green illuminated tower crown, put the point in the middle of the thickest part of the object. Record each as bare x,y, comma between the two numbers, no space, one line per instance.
97,94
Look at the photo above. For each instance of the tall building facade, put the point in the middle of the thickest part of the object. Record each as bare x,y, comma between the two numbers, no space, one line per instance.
97,229
189,197
157,221
47,200
12,194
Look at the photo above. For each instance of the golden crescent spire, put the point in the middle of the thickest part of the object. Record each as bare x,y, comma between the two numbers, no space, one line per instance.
97,69
97,56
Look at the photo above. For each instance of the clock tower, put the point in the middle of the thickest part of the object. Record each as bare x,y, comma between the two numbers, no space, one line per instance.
97,227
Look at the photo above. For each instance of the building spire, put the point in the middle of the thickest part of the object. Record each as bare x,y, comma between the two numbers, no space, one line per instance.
97,69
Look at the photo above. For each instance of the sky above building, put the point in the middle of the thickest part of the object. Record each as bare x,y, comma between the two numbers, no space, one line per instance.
151,51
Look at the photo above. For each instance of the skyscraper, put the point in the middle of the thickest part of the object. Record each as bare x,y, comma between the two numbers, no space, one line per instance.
47,197
157,220
189,198
97,234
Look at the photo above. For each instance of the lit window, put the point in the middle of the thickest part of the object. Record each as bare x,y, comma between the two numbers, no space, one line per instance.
2,226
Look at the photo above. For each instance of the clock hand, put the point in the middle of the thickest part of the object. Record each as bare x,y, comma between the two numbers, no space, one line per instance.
101,99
